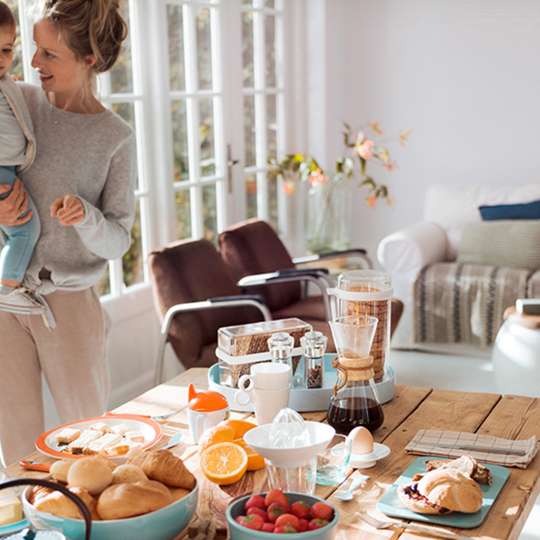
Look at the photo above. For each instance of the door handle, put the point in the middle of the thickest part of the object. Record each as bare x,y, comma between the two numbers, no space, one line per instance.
231,162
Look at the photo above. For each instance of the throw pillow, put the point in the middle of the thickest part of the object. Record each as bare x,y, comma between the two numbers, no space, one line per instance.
510,211
501,243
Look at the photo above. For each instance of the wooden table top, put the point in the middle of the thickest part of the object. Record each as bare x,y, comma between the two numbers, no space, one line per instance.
411,409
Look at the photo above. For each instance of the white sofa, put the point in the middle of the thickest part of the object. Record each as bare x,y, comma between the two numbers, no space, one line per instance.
404,253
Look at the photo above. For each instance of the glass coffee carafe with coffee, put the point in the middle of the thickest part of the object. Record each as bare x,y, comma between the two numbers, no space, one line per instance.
354,401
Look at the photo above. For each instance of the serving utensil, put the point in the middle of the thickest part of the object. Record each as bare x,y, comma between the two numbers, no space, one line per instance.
347,493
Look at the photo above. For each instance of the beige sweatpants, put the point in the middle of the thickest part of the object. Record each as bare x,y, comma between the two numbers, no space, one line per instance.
72,358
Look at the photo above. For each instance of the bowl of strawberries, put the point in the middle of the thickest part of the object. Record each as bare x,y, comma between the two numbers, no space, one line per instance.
262,516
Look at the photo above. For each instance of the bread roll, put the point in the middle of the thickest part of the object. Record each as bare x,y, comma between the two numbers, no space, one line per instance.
128,474
178,493
37,493
165,467
127,500
58,504
59,470
91,473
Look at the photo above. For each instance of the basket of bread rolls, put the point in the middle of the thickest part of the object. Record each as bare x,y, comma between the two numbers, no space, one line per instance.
152,496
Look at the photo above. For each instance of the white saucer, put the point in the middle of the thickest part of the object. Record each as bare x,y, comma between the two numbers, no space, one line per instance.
364,461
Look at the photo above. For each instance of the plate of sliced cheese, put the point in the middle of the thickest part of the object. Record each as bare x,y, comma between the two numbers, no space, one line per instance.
113,436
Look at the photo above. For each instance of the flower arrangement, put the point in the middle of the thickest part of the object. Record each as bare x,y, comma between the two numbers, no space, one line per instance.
369,148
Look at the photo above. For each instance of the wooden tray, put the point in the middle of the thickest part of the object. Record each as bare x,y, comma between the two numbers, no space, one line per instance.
391,505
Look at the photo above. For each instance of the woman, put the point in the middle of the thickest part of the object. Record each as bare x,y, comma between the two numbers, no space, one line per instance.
82,183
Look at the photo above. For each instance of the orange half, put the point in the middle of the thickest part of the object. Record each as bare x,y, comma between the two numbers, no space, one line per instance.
224,463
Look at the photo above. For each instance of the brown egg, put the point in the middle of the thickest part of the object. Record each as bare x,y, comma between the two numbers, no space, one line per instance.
362,441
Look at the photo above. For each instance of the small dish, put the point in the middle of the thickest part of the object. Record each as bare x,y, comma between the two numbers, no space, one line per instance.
364,461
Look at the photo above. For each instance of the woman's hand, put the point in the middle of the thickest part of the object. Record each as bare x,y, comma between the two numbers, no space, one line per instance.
68,210
14,208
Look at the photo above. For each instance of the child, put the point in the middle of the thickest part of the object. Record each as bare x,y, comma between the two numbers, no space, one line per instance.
17,149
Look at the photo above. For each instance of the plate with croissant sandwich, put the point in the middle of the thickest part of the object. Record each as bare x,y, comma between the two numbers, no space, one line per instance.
457,493
152,496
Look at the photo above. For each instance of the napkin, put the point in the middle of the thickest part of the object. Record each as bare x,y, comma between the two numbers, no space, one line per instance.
485,448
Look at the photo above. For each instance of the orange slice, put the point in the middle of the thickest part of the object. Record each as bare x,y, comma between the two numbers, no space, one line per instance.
217,434
224,463
240,427
255,461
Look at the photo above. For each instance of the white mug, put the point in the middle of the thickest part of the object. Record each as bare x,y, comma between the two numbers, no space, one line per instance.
267,388
266,376
200,421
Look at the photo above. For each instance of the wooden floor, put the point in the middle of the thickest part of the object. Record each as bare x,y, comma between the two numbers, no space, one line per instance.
412,409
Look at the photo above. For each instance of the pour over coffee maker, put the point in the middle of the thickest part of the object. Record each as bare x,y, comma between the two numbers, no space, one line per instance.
354,401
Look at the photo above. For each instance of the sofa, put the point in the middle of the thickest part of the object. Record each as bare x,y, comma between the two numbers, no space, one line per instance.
433,243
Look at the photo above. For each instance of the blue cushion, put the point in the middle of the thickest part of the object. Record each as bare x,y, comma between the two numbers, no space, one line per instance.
511,211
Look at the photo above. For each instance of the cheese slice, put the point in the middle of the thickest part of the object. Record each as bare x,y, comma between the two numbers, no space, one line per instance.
100,426
135,436
86,437
67,435
10,510
108,440
120,429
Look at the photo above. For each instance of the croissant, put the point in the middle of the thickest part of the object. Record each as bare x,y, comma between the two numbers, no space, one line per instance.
165,467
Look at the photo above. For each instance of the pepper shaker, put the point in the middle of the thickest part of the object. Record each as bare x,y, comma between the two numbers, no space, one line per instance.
314,347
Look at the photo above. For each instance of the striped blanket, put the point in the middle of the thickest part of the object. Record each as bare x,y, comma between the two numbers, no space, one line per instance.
464,303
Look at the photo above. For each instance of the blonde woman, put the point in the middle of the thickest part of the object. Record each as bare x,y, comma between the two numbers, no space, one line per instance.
82,183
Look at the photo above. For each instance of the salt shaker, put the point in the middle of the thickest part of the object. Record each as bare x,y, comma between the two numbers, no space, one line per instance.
314,347
281,346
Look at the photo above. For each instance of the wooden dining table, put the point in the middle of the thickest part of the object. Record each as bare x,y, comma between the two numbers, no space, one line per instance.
412,409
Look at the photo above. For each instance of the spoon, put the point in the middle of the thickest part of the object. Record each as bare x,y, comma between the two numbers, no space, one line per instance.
347,494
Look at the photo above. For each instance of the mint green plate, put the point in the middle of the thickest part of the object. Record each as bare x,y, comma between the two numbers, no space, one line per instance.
391,505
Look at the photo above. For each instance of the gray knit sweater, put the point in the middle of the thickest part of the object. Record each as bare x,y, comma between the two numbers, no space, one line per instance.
91,156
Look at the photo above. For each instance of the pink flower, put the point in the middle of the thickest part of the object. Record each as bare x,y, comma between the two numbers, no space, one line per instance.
390,166
365,149
289,187
371,200
317,177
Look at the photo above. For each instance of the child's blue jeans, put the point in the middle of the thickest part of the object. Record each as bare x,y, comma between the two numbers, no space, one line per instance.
19,241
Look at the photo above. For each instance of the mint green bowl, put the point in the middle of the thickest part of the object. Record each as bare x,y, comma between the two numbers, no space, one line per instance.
238,532
162,524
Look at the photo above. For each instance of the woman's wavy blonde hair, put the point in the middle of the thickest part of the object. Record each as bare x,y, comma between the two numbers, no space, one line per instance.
90,27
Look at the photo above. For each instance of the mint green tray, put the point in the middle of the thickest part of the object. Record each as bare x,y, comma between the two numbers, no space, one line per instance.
391,505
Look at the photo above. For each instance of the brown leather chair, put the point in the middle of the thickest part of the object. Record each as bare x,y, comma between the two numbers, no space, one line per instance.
195,296
260,262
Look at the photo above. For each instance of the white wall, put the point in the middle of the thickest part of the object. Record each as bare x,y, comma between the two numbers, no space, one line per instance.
463,74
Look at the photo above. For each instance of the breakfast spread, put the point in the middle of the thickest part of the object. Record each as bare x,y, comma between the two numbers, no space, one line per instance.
448,486
272,512
148,482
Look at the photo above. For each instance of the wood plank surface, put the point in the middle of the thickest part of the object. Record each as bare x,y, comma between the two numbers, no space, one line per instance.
410,410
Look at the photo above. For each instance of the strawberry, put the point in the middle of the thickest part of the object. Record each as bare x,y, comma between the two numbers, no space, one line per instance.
303,525
317,524
300,509
321,510
274,511
255,511
286,529
255,501
276,496
287,519
252,522
268,527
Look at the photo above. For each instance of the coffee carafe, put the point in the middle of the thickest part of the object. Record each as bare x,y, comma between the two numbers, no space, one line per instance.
354,401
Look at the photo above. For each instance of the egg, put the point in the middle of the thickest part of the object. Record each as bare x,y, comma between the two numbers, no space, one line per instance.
362,440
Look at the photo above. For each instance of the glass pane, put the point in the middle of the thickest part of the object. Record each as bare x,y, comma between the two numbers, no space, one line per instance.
16,70
273,199
270,4
210,212
251,196
122,72
204,49
132,261
104,285
126,111
270,41
179,139
206,136
271,126
175,33
247,50
183,214
249,131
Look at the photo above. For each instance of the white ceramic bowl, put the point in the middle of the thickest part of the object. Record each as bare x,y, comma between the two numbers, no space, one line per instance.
320,436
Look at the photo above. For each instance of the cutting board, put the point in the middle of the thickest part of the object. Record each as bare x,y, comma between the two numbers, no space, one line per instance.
391,505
